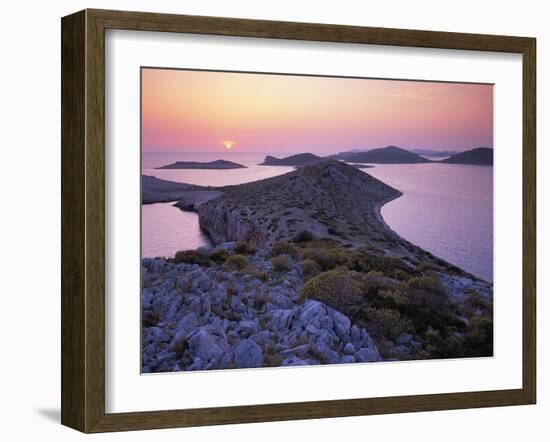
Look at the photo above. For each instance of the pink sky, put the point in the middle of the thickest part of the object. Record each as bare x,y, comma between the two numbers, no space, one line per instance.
195,111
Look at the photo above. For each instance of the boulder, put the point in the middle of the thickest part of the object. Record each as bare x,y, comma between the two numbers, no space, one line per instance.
247,354
312,313
367,354
206,346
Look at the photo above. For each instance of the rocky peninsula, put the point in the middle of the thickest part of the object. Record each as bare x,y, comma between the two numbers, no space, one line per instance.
304,271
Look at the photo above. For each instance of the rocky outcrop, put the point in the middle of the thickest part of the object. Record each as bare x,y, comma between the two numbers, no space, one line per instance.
201,318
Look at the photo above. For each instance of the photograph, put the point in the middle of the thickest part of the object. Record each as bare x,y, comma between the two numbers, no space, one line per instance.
304,220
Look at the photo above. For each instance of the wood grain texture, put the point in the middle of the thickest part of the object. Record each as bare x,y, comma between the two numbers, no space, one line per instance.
73,253
83,220
529,220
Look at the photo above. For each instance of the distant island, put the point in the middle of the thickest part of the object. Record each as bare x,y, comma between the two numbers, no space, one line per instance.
482,156
383,155
298,160
435,153
218,164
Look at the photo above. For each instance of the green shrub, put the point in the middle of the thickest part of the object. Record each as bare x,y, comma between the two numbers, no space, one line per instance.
283,248
240,263
429,305
375,289
393,298
303,236
427,283
426,266
338,288
387,323
310,268
478,340
440,344
219,255
326,258
192,257
244,248
236,263
364,260
281,264
475,303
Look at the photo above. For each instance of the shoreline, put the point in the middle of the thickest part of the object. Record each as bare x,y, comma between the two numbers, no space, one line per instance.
378,234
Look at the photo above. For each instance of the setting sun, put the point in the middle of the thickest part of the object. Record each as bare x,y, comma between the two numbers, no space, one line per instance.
228,144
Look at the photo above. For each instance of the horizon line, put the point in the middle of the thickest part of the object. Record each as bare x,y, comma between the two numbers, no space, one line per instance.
308,151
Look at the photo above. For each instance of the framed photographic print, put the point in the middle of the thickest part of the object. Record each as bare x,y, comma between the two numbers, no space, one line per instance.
270,220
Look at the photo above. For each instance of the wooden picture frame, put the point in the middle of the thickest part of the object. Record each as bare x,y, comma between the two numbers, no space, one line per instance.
83,220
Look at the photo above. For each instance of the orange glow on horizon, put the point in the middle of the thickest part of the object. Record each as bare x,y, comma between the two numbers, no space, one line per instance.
193,110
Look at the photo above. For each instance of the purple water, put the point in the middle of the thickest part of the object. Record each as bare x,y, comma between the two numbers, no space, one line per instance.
445,208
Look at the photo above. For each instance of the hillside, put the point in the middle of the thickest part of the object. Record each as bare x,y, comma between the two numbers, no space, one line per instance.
482,156
435,153
384,155
298,160
330,199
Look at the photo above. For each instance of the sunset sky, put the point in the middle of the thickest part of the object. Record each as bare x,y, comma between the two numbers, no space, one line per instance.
194,111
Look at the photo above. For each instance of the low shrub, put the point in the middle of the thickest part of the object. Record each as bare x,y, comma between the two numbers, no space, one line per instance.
192,257
426,266
364,260
478,340
303,236
283,248
240,263
327,258
474,304
219,255
439,344
245,248
281,264
149,318
236,263
429,305
387,323
310,268
256,273
427,283
337,288
393,298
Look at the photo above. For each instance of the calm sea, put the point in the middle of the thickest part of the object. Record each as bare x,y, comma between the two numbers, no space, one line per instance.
445,208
